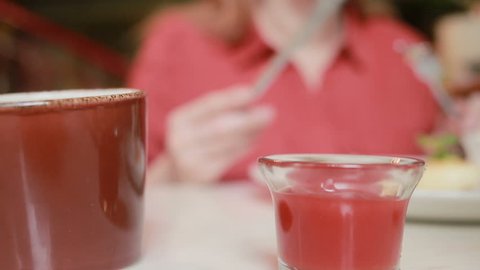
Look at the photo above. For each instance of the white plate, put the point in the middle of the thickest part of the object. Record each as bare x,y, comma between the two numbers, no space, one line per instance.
448,206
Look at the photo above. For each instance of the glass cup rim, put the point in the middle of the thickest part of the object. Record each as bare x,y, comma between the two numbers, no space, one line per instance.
340,161
66,98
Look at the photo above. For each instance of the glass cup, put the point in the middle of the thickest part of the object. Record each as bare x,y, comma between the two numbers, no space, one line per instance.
340,212
72,172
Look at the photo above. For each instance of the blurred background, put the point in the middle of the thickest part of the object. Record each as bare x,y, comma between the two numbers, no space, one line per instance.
53,44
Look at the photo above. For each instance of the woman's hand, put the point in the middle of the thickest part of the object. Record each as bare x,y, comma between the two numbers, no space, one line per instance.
208,135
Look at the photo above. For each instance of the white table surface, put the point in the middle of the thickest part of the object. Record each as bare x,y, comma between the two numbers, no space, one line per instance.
231,226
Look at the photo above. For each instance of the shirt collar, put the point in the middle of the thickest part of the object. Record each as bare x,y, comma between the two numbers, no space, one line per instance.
253,49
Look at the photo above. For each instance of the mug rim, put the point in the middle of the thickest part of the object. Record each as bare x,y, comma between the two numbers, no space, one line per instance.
66,98
341,161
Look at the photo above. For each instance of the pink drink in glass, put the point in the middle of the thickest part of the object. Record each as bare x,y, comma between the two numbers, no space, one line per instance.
324,231
340,212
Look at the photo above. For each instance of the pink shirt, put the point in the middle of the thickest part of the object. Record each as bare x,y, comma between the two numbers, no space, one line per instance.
370,102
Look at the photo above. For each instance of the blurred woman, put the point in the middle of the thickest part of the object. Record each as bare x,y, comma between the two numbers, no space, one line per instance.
349,89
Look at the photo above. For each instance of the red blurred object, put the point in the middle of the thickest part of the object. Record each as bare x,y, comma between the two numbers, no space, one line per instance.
46,51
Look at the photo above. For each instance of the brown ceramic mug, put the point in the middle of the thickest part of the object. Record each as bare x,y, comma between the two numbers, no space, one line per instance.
72,172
